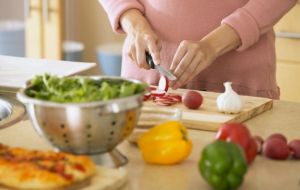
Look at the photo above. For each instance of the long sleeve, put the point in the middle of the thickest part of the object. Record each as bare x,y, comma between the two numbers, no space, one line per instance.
256,18
115,8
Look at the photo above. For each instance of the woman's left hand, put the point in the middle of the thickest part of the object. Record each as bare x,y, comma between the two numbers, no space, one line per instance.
190,59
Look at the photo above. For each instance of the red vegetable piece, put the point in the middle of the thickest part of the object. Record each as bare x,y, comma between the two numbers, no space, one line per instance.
158,93
239,134
165,99
151,88
192,99
276,148
163,84
176,96
163,104
147,96
252,151
294,146
278,136
167,102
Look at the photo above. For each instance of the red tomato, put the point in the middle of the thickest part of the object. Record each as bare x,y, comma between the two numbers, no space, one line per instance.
252,150
239,134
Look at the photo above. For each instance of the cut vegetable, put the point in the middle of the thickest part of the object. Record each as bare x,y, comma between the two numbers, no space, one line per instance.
163,84
147,96
163,103
176,97
158,93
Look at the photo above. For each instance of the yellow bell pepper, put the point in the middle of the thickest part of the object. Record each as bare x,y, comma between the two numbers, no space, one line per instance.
166,143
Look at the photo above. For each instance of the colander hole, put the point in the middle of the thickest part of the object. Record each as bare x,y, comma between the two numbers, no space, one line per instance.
44,124
51,140
113,123
88,135
62,126
130,118
65,135
66,141
89,126
112,133
109,139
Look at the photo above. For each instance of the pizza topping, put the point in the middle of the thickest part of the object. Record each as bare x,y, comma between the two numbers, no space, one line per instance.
59,168
79,167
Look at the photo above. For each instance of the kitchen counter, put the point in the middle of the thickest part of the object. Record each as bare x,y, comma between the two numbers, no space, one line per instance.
262,174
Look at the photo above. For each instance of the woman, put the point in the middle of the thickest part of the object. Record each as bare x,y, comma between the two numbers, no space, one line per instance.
203,42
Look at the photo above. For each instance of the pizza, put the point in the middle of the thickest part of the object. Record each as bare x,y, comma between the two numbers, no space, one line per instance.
32,169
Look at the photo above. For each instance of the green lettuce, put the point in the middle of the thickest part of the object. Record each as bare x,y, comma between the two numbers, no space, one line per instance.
77,89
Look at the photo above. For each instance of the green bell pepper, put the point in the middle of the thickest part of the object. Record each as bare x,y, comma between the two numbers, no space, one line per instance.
223,165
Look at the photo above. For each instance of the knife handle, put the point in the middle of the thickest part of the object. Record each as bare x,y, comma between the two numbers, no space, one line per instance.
149,60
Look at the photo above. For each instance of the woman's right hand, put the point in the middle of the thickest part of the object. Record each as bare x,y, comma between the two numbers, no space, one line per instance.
141,38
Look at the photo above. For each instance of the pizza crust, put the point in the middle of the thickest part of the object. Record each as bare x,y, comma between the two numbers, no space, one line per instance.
26,169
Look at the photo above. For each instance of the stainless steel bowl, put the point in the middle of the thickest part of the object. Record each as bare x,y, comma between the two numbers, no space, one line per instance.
11,111
84,128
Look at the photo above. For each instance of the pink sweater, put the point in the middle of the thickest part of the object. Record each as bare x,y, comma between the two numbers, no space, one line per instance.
251,68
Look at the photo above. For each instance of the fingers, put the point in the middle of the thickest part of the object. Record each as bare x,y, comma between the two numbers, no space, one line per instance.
189,60
131,52
154,47
140,54
184,64
138,45
180,52
190,72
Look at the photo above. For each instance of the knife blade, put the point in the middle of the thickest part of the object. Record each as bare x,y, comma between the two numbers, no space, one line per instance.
159,68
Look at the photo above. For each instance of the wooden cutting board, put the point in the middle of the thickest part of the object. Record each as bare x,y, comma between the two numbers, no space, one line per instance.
207,117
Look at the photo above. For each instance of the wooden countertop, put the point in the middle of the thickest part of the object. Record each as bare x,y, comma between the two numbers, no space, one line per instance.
262,174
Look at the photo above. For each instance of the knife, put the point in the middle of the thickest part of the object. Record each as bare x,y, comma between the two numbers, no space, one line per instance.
160,69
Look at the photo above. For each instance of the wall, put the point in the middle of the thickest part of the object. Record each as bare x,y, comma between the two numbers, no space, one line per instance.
87,22
6,7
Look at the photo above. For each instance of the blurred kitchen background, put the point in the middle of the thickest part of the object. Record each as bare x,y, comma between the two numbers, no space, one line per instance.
73,30
79,30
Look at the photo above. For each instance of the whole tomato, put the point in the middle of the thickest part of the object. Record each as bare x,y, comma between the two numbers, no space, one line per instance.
239,133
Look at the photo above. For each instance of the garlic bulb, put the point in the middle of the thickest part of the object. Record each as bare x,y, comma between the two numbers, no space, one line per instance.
229,101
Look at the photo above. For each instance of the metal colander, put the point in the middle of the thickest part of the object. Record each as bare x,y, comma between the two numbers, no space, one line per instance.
11,111
84,128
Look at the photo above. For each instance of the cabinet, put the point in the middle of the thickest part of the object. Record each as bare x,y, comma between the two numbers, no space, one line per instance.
44,28
288,55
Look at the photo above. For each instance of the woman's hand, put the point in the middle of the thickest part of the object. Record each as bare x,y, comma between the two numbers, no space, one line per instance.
192,57
141,38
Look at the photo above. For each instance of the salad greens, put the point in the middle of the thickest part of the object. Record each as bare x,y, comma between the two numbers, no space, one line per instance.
81,89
